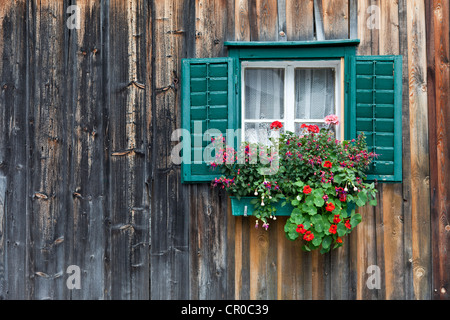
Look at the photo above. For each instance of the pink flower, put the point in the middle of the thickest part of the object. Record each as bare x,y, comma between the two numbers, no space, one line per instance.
332,119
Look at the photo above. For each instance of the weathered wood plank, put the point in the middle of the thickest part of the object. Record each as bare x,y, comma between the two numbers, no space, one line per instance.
208,245
335,19
265,20
420,192
364,33
48,142
391,202
242,258
289,265
13,151
406,158
263,261
437,29
86,207
211,27
242,22
365,233
299,28
170,203
129,212
340,272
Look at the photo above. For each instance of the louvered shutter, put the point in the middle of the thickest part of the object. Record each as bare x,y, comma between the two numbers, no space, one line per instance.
208,106
376,110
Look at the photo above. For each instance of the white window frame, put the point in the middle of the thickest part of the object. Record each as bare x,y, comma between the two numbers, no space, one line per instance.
289,91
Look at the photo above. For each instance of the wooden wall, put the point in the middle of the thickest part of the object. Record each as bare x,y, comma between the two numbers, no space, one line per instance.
86,122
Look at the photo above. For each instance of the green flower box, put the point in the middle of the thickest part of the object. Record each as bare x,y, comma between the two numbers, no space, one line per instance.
244,207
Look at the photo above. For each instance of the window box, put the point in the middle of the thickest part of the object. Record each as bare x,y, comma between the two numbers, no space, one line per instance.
244,207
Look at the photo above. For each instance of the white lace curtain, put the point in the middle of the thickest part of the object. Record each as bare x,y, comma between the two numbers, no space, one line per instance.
265,98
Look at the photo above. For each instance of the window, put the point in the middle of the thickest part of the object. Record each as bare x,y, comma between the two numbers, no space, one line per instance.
292,92
293,82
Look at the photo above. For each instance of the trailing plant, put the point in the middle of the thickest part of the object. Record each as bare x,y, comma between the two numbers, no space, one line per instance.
321,177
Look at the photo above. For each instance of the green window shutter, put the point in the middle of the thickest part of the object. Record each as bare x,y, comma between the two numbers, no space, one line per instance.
376,110
208,109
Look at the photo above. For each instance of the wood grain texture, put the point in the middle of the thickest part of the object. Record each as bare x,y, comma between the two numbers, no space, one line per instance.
265,19
296,28
391,202
420,192
335,19
211,27
242,22
169,200
437,15
406,158
263,262
87,207
13,152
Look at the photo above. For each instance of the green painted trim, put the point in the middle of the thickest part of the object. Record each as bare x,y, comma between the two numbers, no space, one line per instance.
340,42
398,151
186,173
284,52
398,132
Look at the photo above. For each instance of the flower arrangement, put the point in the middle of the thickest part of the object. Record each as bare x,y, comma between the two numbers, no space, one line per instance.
321,177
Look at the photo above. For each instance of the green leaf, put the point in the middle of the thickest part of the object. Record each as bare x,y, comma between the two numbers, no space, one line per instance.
299,184
306,248
338,178
360,202
319,202
309,200
341,229
324,250
316,241
355,219
297,219
327,241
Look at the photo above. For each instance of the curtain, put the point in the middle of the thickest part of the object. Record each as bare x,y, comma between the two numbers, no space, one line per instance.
264,100
314,93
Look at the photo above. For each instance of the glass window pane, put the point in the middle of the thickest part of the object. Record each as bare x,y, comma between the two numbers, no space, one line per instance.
264,93
314,93
259,132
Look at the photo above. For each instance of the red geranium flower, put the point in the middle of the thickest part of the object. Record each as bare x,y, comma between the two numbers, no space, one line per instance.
333,229
301,229
308,236
336,219
307,189
347,224
327,164
276,125
339,240
330,207
313,128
